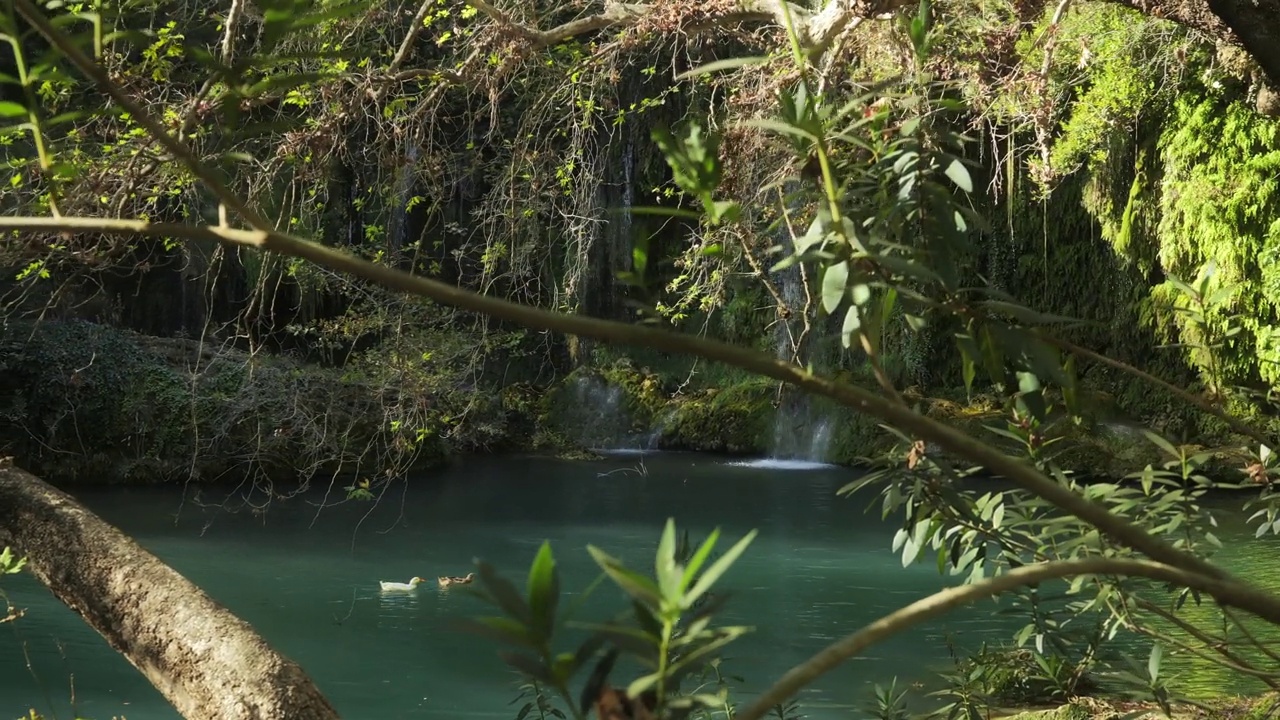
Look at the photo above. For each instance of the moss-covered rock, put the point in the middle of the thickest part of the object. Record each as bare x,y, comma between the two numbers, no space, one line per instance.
602,407
736,420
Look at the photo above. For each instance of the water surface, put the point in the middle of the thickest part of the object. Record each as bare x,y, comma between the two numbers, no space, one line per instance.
307,579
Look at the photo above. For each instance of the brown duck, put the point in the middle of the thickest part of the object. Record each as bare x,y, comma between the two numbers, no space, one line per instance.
445,580
610,702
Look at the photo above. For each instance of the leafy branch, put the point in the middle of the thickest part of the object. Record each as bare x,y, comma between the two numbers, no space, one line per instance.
942,602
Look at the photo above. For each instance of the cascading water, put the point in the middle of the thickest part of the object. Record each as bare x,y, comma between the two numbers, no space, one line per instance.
603,421
598,410
402,195
801,434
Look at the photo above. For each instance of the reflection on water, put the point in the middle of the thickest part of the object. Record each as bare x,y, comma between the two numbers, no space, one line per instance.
308,582
782,464
1254,560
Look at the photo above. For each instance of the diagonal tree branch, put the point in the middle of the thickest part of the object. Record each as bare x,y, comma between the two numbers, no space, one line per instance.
950,439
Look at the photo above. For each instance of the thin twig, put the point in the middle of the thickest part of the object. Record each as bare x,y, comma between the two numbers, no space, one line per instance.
946,600
1235,423
1229,659
179,149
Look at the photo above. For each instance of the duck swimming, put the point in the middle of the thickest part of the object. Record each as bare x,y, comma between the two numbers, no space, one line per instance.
445,581
392,586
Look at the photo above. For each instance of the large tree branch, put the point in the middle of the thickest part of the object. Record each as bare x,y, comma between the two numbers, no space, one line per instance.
942,602
948,438
207,662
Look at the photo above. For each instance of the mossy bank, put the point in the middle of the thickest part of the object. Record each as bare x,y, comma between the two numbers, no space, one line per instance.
81,402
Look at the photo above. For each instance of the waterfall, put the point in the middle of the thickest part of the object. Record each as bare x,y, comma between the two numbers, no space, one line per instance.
603,422
402,194
598,411
801,434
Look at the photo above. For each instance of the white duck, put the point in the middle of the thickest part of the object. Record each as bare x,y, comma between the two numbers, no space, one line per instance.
394,586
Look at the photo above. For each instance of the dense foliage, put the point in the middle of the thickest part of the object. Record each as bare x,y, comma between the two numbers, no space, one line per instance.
849,205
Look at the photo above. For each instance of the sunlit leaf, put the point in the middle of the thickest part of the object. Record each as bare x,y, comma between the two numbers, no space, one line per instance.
727,64
720,566
957,173
851,325
664,565
695,562
637,586
1160,442
834,280
543,588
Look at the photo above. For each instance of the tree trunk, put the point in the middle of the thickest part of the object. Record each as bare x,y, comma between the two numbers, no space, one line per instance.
1257,25
206,661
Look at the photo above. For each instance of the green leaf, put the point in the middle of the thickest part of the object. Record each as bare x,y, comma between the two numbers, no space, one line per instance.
719,568
10,109
641,588
699,557
726,64
543,587
665,212
781,128
852,323
628,639
664,565
528,666
640,254
969,356
1026,315
724,211
959,175
502,592
641,684
1161,443
1029,390
834,281
500,628
860,294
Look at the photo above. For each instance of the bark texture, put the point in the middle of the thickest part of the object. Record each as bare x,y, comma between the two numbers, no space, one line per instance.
1256,25
207,662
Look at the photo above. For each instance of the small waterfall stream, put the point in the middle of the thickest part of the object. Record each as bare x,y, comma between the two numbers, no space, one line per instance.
801,434
402,195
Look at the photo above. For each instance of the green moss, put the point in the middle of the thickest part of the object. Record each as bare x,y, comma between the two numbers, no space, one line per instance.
736,420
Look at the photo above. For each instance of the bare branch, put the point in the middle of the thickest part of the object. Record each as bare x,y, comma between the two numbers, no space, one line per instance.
229,37
1201,403
950,439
